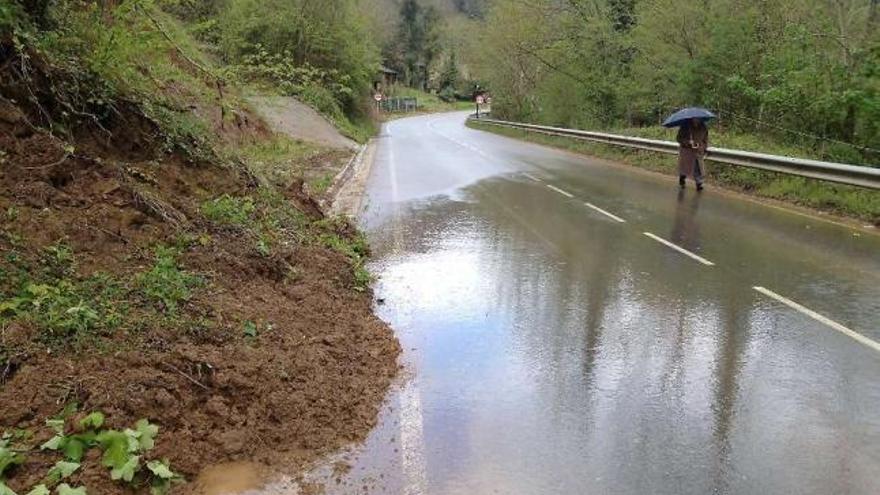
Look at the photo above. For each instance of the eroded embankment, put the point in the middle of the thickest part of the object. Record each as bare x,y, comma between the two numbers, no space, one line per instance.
223,308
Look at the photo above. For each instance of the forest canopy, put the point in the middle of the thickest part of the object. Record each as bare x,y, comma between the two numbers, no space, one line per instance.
807,71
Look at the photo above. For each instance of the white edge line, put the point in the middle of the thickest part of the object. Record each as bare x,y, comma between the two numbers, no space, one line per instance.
816,316
680,249
560,191
607,214
530,176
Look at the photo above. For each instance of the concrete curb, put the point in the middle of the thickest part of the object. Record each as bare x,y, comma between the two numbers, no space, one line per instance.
347,192
339,181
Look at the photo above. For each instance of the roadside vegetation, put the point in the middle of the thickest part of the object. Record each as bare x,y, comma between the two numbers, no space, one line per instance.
319,52
123,453
164,264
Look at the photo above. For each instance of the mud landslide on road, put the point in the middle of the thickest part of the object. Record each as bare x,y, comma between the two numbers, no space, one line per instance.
143,284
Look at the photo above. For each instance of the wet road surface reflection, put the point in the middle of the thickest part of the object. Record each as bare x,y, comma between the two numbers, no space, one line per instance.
550,349
686,226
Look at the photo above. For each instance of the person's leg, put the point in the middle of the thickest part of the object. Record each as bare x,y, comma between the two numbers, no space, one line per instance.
681,180
698,175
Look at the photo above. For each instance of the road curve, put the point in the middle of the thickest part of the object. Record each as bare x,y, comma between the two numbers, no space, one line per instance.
578,326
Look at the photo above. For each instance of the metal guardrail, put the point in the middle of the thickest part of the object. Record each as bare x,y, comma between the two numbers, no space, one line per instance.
852,175
399,104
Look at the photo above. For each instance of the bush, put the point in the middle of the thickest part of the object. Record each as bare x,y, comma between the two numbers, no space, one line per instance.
11,16
321,99
302,43
447,94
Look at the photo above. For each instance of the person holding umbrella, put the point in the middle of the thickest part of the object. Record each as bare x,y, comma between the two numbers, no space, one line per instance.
693,141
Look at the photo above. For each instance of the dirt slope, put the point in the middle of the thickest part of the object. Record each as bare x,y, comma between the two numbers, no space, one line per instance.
275,356
289,116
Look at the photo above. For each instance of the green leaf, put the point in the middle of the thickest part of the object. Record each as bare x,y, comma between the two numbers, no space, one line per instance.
11,306
39,490
160,487
54,443
148,434
65,489
127,470
92,421
160,470
115,446
250,329
9,458
73,449
5,490
61,470
134,439
77,444
57,425
69,410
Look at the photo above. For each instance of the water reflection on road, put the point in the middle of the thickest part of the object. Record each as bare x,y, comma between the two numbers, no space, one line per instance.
686,226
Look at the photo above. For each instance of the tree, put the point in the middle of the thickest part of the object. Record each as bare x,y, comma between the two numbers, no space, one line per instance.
792,68
417,42
449,76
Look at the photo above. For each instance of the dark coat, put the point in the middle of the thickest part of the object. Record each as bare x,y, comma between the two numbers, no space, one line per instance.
692,143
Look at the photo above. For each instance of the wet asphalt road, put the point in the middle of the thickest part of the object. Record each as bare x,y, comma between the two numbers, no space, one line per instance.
551,348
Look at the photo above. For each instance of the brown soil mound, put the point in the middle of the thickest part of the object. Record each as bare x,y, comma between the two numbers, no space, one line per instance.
310,382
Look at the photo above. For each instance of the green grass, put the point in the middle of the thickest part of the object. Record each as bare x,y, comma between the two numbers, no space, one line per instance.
229,211
320,184
45,294
359,129
64,308
279,159
854,202
353,246
165,284
276,221
272,220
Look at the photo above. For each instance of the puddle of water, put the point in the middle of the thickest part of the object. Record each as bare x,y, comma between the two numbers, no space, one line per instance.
233,478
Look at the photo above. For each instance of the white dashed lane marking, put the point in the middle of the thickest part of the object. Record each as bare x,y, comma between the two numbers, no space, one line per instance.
560,191
607,214
816,316
680,249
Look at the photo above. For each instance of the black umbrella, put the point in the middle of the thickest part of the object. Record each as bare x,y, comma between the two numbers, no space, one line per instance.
684,116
